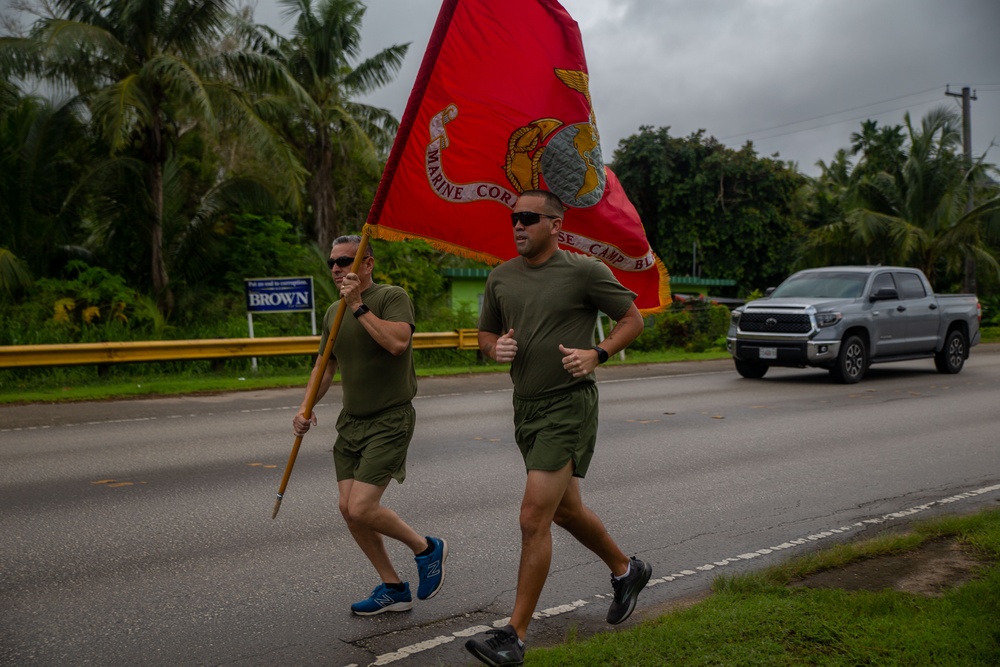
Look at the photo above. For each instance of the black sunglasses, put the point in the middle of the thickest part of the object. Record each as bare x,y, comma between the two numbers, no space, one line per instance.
340,261
527,218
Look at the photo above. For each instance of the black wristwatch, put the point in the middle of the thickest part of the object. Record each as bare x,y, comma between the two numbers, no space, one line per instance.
602,354
362,309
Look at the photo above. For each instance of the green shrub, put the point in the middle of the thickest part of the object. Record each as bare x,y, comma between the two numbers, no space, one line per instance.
991,310
694,325
89,305
262,247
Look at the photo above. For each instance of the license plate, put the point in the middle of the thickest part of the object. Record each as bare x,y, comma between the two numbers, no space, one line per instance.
768,353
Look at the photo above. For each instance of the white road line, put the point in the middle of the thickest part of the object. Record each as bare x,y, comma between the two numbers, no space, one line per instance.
664,377
139,419
406,651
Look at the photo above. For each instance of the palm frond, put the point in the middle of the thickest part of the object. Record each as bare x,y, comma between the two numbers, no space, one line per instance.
190,24
260,73
20,57
377,71
264,140
81,53
181,84
14,275
119,109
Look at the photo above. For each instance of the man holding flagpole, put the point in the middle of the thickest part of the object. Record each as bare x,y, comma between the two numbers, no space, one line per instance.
538,314
373,349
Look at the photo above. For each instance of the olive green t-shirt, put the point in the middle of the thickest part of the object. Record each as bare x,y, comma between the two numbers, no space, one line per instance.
548,305
373,379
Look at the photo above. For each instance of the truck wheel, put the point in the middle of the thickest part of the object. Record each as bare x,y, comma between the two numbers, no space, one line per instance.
752,370
951,358
852,362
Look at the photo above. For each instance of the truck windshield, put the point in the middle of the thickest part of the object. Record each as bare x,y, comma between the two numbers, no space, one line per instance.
823,285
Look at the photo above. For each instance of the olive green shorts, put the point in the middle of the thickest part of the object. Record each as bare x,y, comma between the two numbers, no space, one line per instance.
554,430
373,449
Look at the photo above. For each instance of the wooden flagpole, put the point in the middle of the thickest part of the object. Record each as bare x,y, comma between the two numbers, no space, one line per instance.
324,360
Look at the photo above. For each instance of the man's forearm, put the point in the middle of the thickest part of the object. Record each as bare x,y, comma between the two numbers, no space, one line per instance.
626,330
488,344
325,380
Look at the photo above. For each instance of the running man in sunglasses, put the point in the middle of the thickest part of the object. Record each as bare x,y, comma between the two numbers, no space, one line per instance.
539,314
374,351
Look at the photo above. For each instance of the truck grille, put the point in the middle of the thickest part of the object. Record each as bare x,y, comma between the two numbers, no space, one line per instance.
776,323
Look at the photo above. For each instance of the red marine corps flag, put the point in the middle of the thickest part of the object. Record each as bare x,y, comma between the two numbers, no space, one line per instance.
501,105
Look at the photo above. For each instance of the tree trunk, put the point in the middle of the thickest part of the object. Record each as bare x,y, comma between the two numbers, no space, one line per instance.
158,269
155,153
321,194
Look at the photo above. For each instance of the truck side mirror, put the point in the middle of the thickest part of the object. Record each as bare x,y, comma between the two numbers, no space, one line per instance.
884,294
768,291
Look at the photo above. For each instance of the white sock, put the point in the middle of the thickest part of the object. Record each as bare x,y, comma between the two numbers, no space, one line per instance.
626,572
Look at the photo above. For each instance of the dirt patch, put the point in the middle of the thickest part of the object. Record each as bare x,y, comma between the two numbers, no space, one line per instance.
928,570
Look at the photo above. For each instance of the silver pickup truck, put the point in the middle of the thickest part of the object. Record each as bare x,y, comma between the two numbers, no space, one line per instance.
845,318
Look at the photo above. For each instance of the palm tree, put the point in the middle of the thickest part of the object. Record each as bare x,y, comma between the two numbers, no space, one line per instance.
820,204
199,196
147,72
913,211
881,148
43,149
339,140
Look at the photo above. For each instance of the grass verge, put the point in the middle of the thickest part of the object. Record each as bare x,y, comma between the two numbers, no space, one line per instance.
756,619
68,386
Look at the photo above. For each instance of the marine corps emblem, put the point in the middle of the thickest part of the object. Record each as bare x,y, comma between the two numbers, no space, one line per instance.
568,156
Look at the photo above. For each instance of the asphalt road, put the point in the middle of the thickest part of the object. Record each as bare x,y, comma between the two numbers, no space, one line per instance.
140,532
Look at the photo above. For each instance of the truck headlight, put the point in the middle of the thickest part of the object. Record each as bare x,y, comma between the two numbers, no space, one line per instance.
734,317
827,319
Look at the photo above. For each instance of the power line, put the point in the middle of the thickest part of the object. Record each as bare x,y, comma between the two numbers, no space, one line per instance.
827,115
847,120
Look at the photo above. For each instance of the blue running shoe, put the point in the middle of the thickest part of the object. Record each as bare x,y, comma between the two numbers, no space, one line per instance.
382,599
431,569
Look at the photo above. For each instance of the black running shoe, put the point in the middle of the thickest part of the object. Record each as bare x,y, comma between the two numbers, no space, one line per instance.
502,649
627,591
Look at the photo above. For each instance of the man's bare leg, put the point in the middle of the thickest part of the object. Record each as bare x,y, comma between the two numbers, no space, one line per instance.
543,493
368,521
588,529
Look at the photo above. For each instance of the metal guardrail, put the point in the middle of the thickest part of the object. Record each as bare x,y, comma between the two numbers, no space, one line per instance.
21,356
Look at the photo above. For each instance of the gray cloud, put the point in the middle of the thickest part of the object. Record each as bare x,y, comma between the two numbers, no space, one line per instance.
770,71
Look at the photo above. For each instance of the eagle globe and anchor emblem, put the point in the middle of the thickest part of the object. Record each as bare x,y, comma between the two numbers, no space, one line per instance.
568,155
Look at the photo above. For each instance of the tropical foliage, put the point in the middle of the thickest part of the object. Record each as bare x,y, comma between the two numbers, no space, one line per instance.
908,201
145,73
725,213
154,153
338,139
901,194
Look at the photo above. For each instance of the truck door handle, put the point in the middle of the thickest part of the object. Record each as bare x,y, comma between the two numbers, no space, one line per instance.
933,306
900,308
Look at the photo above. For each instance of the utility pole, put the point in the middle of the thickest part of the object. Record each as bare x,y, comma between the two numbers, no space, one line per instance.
967,97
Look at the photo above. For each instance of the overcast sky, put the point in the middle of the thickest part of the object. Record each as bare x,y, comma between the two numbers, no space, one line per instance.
796,77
